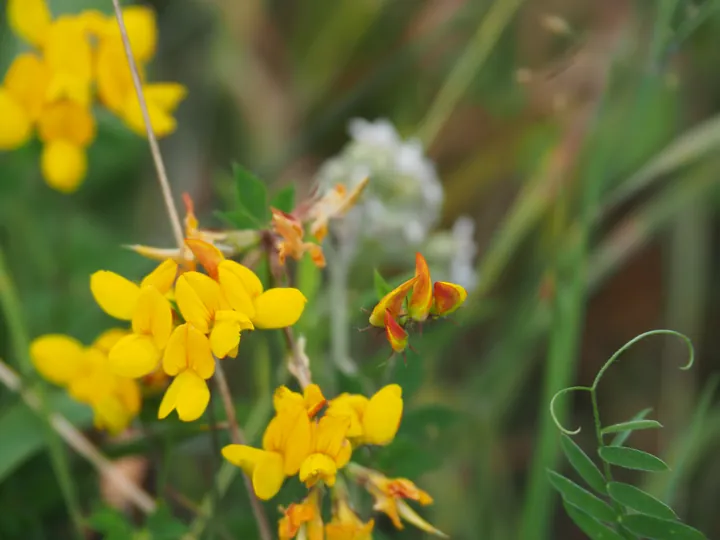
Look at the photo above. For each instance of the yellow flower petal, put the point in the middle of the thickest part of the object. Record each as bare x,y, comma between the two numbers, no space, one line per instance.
27,81
224,337
318,467
63,165
115,295
382,416
163,277
67,49
166,96
245,457
94,22
268,476
188,394
16,128
289,433
247,277
29,19
198,297
162,121
234,289
279,307
141,27
108,339
153,316
134,356
67,120
330,433
57,358
114,79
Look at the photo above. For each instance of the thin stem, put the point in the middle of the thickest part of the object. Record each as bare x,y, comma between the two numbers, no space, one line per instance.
78,442
152,139
466,68
238,437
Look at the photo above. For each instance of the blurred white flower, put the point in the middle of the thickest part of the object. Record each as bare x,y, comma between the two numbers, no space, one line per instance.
403,200
451,254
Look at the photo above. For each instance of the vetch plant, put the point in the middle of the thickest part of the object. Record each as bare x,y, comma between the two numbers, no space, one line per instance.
612,510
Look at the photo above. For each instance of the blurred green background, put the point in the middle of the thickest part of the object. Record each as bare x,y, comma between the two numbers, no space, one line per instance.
581,138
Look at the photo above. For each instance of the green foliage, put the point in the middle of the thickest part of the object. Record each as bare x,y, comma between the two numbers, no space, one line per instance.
628,511
284,199
111,523
382,287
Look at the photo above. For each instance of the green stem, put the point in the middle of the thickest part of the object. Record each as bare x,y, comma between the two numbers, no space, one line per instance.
466,68
21,347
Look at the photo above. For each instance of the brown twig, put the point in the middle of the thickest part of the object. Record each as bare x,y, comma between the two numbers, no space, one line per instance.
238,437
152,139
78,442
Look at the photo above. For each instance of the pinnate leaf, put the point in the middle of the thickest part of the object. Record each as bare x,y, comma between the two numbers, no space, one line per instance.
580,497
630,458
632,425
582,463
636,499
661,529
591,526
622,436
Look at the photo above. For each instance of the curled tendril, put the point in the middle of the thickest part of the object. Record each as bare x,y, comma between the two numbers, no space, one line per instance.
552,408
618,353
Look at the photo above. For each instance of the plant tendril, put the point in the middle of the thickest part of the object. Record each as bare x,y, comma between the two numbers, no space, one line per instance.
552,408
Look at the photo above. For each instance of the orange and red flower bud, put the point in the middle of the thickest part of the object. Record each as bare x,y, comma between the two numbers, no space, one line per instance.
396,334
392,302
447,298
421,299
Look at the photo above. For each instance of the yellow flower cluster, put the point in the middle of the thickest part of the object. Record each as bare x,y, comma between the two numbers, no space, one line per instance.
76,59
182,323
86,373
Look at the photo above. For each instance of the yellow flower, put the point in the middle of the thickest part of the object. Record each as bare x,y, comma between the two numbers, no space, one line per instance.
372,421
286,444
390,495
145,305
69,55
188,358
27,80
346,525
29,19
306,516
329,451
311,399
202,304
86,373
275,308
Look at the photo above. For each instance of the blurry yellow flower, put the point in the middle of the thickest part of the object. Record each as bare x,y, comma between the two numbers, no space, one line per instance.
29,19
69,55
188,358
291,243
286,444
63,165
162,99
372,421
346,525
88,377
27,80
306,516
202,304
141,26
145,305
390,495
329,451
275,308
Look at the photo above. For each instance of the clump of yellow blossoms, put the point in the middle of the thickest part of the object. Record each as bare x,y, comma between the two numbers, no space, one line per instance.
314,438
88,377
74,61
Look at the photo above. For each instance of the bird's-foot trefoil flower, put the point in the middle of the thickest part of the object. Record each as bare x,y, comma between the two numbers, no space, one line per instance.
302,519
345,523
373,421
330,451
391,496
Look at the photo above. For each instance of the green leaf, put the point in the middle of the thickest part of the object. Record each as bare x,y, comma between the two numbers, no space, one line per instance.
660,529
584,466
636,499
589,525
630,458
162,525
580,497
112,523
284,199
632,425
252,195
239,219
23,432
621,437
382,287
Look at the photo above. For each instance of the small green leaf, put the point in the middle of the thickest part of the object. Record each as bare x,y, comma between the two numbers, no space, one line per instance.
660,529
239,219
589,525
112,523
584,466
636,499
284,199
162,525
621,437
632,425
252,195
382,287
580,497
630,458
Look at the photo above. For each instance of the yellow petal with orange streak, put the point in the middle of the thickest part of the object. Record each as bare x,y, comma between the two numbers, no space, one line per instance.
392,302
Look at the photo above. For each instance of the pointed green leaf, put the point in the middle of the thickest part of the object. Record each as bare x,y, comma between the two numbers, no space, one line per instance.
636,499
580,497
382,287
238,219
284,199
252,195
584,466
660,529
622,436
630,458
590,526
632,425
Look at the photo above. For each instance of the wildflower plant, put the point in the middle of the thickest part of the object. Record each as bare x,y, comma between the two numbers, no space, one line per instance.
611,509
